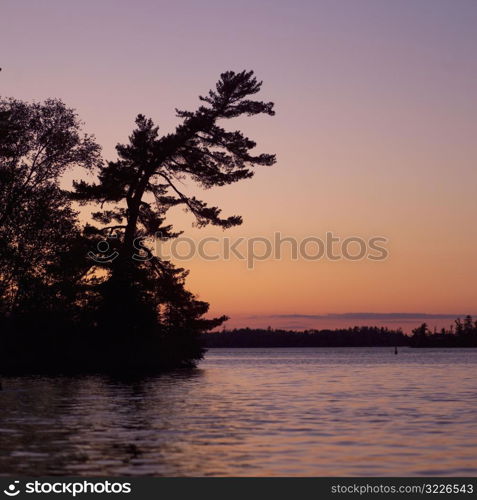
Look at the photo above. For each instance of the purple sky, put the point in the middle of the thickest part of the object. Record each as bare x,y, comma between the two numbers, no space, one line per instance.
375,131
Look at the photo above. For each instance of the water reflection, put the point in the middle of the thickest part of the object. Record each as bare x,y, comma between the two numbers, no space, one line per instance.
252,412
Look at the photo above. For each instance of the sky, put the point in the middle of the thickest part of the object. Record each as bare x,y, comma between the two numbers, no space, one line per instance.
376,115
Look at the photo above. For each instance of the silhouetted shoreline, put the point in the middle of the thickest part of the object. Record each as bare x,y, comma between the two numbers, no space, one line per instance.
351,337
464,334
83,352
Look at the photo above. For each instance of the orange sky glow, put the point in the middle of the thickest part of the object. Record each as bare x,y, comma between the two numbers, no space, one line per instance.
374,135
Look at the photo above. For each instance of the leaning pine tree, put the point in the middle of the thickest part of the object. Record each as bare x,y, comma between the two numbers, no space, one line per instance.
144,312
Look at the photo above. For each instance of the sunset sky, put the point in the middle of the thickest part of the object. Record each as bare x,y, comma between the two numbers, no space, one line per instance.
375,135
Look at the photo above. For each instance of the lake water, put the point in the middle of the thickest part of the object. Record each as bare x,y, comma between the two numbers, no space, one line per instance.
253,412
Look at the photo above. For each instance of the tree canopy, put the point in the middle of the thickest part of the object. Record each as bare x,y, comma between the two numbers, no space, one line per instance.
39,142
135,311
200,150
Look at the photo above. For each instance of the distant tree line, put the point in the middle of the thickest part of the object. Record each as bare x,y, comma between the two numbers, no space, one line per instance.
359,336
461,334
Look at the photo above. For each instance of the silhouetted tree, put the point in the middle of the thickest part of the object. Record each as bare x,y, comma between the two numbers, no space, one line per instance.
132,311
38,227
468,326
461,334
459,327
144,183
420,335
